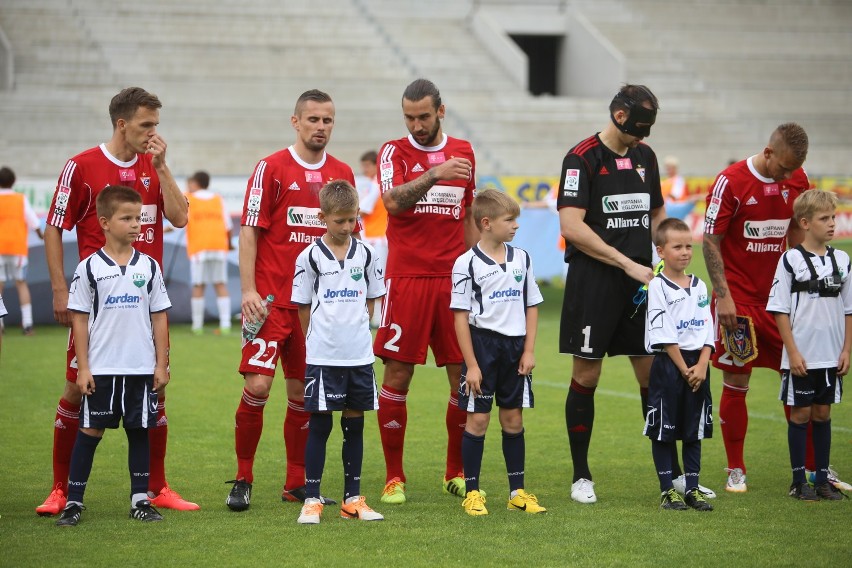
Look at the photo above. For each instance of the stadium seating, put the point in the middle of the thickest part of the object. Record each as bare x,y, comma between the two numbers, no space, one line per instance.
228,74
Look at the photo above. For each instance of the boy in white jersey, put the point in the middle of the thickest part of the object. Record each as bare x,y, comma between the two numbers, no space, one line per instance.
679,331
812,302
335,284
494,299
118,302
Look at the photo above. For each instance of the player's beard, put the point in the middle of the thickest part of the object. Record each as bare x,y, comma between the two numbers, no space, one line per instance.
432,138
316,145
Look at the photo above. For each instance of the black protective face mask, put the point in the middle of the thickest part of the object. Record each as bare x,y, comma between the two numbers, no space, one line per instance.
636,114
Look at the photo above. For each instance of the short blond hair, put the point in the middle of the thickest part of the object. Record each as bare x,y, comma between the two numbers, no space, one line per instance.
666,226
337,196
792,137
810,202
492,203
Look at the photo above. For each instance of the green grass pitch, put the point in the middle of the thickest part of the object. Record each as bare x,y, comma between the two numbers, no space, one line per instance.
763,527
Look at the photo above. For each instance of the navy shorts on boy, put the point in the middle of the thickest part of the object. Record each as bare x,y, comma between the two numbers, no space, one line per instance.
130,397
820,386
675,412
498,357
336,388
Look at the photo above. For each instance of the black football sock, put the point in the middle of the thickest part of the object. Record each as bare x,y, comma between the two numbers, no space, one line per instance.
662,454
822,449
352,454
472,448
579,419
138,460
319,428
514,450
81,465
691,462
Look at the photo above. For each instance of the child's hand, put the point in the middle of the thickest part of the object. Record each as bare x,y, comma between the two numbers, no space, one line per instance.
161,377
527,364
85,382
798,365
473,381
696,375
843,363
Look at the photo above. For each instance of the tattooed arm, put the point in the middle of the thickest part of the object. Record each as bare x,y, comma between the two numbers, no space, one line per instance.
405,196
726,310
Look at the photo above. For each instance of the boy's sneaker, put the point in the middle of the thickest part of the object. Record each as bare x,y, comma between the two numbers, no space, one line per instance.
524,501
456,486
474,504
672,500
832,478
54,504
803,492
394,492
358,509
311,512
583,491
680,486
143,511
736,480
239,498
70,515
169,499
829,492
28,331
299,495
696,500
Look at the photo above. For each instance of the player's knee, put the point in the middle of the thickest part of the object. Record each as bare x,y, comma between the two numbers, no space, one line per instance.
398,374
72,393
258,385
477,423
511,420
821,412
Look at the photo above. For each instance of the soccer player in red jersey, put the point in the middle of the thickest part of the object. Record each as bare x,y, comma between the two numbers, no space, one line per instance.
280,218
427,182
747,228
135,157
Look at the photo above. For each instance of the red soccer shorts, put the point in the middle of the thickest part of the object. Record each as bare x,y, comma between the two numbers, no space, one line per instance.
280,337
767,340
416,315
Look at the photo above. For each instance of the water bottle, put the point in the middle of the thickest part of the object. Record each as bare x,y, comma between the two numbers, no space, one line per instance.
250,328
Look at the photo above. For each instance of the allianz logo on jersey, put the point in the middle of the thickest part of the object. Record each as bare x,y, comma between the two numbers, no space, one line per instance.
304,217
626,203
125,299
769,229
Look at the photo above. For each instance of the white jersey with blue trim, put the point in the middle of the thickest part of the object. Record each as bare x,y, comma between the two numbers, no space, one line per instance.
119,301
496,295
818,322
678,315
337,291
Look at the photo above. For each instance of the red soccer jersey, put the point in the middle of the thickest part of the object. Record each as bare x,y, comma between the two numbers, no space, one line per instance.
84,176
753,213
426,239
282,200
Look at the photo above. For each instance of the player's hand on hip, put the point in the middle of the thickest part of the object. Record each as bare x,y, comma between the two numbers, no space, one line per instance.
726,312
454,168
252,307
60,308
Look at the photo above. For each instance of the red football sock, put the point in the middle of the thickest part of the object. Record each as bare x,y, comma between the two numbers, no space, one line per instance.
733,416
249,425
393,419
295,440
456,420
157,438
65,428
810,462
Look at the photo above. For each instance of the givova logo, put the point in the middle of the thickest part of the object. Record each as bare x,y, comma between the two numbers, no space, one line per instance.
304,217
626,203
769,229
